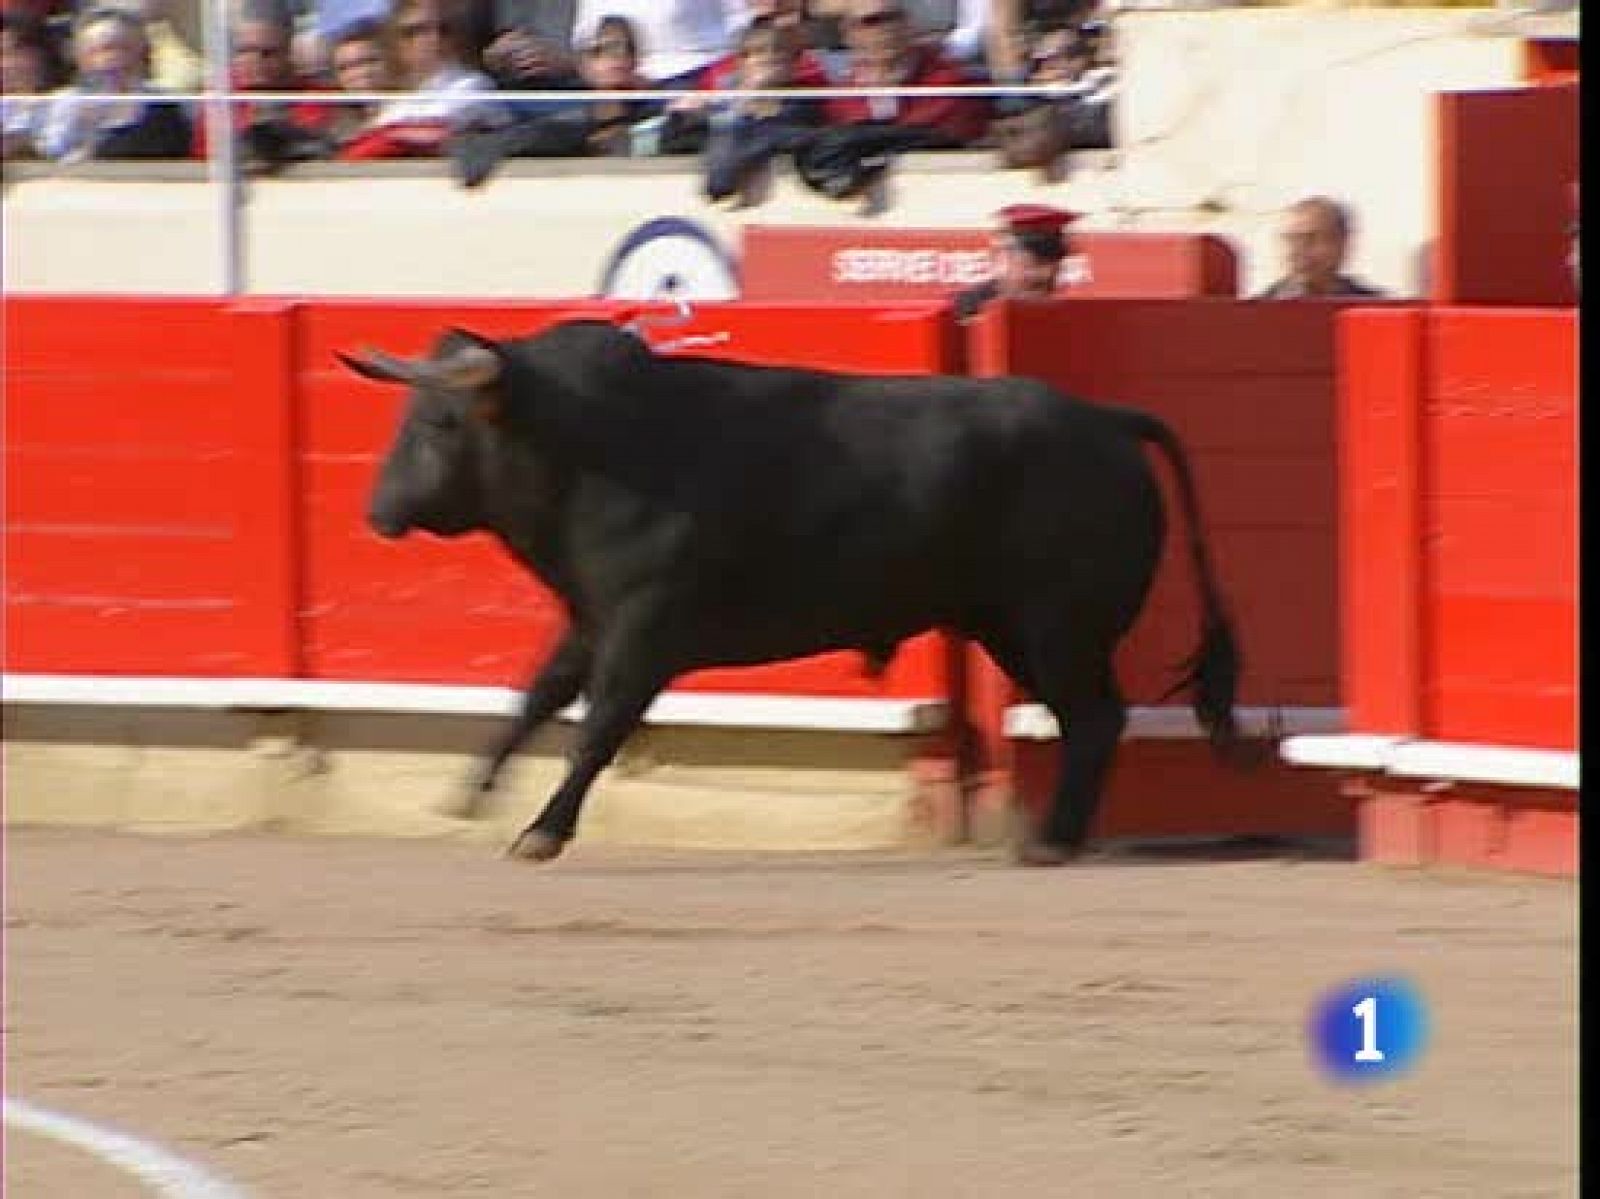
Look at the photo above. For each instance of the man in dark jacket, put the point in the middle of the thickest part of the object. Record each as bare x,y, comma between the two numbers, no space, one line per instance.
1316,238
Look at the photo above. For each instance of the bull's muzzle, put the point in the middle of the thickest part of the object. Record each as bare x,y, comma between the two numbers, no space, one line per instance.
386,526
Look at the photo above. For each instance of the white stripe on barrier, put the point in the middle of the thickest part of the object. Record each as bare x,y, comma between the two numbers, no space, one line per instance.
168,1175
1033,722
711,709
1353,751
1503,765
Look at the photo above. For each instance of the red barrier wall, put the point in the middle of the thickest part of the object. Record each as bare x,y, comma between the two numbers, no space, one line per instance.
1507,164
1459,501
143,497
1249,389
186,482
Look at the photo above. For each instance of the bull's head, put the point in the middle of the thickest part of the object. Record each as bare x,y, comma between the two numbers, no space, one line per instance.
432,477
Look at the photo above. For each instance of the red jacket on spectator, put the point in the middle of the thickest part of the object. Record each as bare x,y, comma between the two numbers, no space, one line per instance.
404,139
307,114
963,118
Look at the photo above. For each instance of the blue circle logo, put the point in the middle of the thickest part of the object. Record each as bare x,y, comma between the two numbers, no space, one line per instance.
1369,1029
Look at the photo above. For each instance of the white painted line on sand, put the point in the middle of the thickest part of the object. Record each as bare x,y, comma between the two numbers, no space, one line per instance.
168,1175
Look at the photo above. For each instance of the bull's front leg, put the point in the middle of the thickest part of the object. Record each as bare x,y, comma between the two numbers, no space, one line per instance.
555,684
630,671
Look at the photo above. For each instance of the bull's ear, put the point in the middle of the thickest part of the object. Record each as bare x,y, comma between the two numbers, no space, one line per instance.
379,367
470,368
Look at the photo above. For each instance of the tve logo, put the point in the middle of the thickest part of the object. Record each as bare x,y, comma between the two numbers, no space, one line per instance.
1369,1029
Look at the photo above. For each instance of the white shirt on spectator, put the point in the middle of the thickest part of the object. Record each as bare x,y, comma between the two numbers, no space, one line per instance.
461,106
74,117
677,36
23,116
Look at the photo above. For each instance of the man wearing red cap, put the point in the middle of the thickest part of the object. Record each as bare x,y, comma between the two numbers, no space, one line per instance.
1029,248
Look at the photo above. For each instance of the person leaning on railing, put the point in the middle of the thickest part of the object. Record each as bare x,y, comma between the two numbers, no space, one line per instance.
744,136
360,63
271,135
450,96
1037,131
32,67
112,111
608,61
849,158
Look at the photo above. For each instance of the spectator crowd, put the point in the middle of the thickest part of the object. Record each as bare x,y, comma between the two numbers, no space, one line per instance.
430,78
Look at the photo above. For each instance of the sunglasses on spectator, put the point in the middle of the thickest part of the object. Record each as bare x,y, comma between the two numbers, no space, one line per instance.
600,49
259,51
884,16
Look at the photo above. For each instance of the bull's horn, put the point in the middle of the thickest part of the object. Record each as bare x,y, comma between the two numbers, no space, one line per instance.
466,369
379,366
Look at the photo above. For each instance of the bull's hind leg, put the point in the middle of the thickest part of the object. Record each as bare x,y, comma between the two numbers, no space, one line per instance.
1088,706
555,685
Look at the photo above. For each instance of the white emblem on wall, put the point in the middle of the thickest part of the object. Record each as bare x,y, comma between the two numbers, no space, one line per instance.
670,257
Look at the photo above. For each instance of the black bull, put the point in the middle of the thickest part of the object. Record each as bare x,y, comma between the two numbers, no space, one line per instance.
694,513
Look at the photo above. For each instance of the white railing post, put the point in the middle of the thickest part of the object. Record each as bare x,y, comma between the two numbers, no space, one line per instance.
222,158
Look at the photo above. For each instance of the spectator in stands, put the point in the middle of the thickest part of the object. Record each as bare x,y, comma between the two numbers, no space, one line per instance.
424,46
1316,238
174,65
679,36
31,66
272,135
1014,26
530,48
111,53
808,69
609,62
1037,131
1029,247
851,157
745,135
884,53
360,62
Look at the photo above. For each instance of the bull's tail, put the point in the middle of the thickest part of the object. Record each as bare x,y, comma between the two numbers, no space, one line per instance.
1212,672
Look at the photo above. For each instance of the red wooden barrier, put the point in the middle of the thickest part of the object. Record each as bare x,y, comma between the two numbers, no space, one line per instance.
186,482
1381,378
1500,512
1460,509
1248,387
144,508
1507,163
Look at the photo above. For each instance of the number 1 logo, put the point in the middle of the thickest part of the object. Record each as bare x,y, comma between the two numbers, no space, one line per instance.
1368,1029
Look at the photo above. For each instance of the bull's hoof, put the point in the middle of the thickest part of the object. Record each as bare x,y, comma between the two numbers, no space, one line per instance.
1045,853
536,845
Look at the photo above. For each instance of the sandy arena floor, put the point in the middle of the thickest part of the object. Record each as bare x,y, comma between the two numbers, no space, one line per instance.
331,1019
